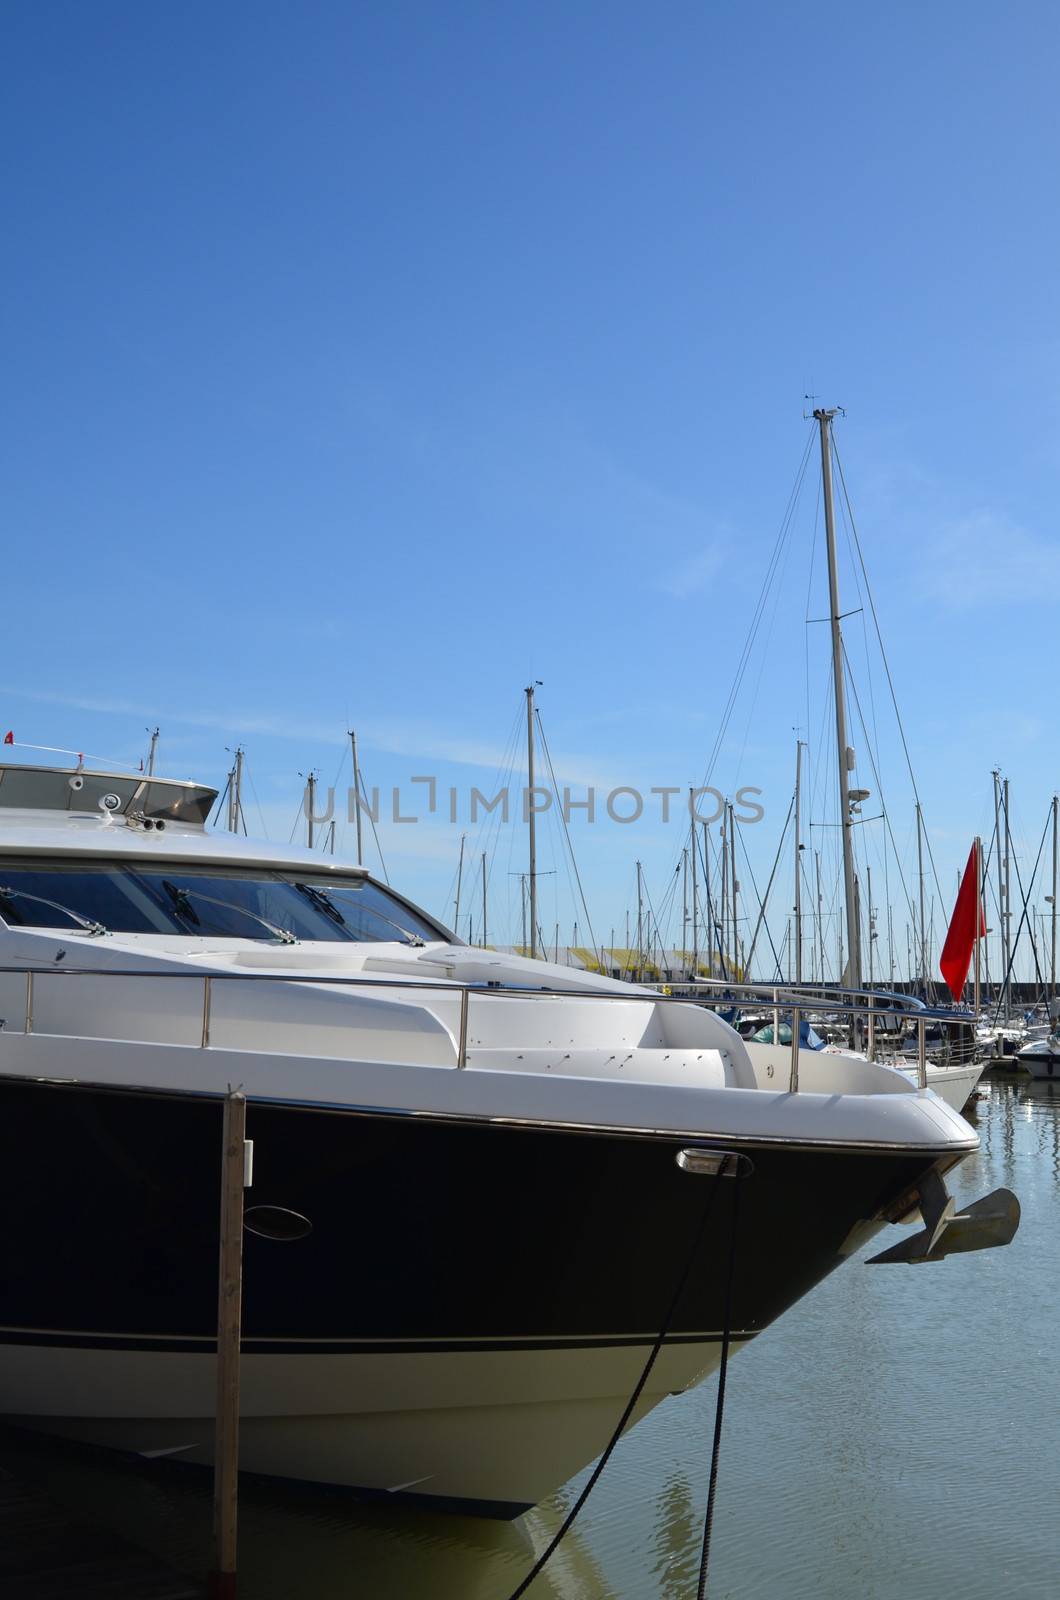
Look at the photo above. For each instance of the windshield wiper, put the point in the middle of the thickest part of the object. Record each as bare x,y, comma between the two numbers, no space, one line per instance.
323,901
180,898
7,893
321,898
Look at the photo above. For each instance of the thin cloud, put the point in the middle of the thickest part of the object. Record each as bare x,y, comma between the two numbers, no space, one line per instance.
225,722
985,558
421,744
692,576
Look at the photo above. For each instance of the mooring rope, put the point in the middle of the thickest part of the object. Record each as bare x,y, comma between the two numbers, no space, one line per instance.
719,1404
742,1165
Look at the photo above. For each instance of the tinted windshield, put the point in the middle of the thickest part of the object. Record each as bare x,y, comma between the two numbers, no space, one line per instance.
365,911
212,902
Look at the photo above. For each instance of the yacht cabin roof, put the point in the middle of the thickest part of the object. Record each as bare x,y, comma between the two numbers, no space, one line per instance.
69,810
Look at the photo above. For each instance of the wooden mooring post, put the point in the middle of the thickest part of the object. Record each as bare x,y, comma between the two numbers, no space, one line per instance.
236,1176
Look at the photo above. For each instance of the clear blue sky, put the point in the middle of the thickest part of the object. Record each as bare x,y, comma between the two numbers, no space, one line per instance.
360,363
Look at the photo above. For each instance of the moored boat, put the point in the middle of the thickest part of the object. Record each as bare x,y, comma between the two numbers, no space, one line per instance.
1041,1057
478,1180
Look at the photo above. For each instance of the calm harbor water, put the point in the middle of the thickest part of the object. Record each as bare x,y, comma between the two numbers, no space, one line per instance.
896,1434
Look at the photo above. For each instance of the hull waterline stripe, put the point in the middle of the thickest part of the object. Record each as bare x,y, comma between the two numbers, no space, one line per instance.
201,1344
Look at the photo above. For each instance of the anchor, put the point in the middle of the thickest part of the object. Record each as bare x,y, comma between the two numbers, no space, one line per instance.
984,1225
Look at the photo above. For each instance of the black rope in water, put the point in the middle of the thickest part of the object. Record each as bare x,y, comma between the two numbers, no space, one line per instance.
724,1169
719,1406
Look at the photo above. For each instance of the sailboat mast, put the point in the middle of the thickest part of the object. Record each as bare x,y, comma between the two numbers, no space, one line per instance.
640,923
845,754
695,894
798,862
724,940
872,936
735,888
820,913
708,904
357,800
531,817
1052,942
235,791
684,906
976,997
996,849
459,882
923,926
311,806
1007,912
152,753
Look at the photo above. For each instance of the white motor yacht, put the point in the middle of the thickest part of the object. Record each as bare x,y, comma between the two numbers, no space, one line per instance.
477,1179
1041,1058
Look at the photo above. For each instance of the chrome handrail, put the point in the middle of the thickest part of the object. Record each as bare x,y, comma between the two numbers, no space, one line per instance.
207,996
783,998
465,1007
820,993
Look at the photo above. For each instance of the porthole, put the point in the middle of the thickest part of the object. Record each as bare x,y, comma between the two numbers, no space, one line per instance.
276,1222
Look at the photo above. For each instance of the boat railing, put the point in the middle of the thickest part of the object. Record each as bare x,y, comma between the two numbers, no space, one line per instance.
786,1002
826,996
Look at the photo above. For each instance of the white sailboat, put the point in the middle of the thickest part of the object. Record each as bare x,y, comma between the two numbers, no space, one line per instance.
954,1080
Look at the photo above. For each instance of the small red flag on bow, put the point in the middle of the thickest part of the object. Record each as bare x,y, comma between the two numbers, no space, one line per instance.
967,924
9,737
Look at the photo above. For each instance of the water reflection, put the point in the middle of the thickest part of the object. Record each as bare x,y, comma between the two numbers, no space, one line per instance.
895,1435
676,1539
305,1542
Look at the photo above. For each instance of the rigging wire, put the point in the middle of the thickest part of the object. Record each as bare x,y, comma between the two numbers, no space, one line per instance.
879,785
652,918
221,802
883,654
567,838
762,904
809,594
299,812
371,819
712,922
1026,898
871,735
566,834
759,610
1023,917
254,792
668,909
486,839
778,590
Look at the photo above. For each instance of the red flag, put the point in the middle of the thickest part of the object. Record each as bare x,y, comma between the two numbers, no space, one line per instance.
966,925
9,737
